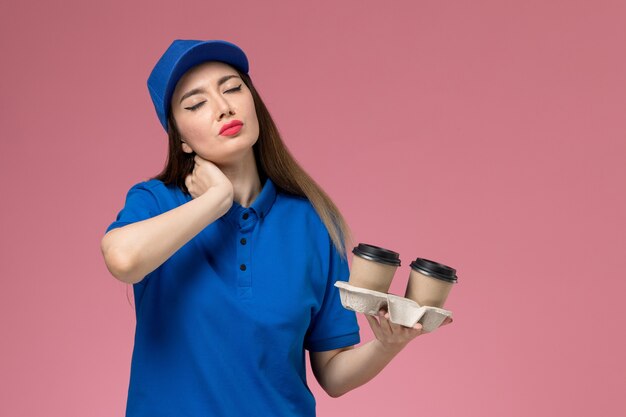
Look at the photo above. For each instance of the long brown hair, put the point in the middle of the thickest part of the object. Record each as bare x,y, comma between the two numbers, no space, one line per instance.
274,161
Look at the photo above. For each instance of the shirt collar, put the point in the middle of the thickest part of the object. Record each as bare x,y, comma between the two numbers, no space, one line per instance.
259,207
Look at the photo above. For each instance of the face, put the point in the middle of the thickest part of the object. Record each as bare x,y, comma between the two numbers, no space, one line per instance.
207,97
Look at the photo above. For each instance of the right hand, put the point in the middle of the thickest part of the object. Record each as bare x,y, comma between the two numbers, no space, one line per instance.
205,175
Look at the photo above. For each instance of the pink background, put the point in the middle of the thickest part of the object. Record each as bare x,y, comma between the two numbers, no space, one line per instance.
488,135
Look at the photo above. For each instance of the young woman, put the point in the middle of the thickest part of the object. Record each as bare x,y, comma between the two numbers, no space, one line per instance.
233,252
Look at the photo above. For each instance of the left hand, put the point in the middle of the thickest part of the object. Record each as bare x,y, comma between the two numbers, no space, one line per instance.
395,336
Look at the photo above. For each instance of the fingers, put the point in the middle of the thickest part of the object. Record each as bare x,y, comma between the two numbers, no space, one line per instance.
190,184
390,327
400,333
373,322
396,328
374,325
385,323
198,159
386,329
447,320
399,328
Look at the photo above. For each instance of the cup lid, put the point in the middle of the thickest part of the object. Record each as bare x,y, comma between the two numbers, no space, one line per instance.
435,270
377,254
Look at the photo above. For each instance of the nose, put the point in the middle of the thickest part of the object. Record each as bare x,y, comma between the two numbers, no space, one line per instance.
224,108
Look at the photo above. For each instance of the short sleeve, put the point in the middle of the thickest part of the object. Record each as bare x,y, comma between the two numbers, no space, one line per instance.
333,326
141,204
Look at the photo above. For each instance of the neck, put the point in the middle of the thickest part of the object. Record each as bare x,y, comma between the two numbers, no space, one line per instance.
245,179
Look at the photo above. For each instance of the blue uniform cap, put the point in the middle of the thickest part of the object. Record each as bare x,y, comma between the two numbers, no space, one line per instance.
180,57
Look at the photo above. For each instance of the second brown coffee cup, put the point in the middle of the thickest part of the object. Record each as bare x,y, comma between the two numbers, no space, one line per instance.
373,267
430,282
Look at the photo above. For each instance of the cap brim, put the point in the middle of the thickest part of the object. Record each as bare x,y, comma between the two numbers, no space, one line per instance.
208,51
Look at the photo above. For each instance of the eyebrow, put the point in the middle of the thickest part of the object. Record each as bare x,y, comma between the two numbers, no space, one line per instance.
198,90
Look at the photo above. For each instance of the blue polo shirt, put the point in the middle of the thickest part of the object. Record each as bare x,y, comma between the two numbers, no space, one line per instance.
223,323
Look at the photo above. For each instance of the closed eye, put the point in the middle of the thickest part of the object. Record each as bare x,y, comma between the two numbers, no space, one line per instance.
194,108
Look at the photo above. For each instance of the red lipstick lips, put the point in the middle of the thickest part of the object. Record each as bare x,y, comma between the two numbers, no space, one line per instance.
231,128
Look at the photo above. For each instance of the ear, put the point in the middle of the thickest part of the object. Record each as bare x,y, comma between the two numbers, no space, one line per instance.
187,148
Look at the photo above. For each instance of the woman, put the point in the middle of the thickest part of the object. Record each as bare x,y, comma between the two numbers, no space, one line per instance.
233,252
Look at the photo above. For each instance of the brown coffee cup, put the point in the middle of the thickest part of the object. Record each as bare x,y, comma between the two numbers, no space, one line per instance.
373,267
430,282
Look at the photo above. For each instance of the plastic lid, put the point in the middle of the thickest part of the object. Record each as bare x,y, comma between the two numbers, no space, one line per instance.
435,270
377,254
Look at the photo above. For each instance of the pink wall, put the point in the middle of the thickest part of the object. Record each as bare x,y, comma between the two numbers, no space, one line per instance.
489,135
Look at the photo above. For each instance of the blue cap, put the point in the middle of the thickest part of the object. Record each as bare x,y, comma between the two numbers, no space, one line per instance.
181,56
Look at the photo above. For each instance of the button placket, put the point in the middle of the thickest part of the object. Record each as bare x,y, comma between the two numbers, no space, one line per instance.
247,222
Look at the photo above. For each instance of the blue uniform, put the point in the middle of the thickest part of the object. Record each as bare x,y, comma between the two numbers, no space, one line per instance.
223,323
